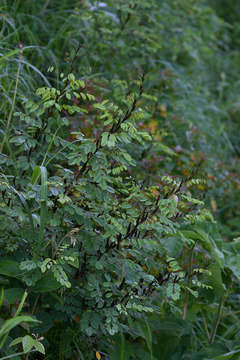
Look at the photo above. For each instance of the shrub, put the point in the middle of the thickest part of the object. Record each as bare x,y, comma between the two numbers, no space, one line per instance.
82,224
102,169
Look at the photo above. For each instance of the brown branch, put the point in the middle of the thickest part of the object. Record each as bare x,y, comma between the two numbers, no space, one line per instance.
114,129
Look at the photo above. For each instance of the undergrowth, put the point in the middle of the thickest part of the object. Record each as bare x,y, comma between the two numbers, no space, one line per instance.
119,185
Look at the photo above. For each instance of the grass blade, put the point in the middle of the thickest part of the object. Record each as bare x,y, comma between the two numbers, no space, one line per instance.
43,210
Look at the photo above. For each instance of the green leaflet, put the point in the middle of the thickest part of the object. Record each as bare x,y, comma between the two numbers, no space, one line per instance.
10,268
47,283
25,205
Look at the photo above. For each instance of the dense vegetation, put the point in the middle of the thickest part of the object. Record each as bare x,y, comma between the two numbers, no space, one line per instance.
119,180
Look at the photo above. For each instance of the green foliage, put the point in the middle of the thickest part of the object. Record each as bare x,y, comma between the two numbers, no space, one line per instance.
113,175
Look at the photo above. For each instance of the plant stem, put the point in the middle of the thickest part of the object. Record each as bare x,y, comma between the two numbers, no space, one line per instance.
50,145
35,304
219,312
188,283
2,296
205,326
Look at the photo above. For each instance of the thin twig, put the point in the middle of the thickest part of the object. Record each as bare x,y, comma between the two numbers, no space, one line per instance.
35,304
217,321
69,234
219,313
188,284
205,326
114,129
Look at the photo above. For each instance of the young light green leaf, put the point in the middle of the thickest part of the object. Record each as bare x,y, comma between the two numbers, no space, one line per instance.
27,343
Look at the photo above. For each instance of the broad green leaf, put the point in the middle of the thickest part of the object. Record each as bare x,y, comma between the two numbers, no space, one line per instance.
11,323
39,347
12,294
10,268
215,279
25,205
28,343
16,341
47,283
232,262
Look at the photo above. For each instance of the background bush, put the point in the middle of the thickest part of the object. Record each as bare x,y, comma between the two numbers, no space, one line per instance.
119,180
